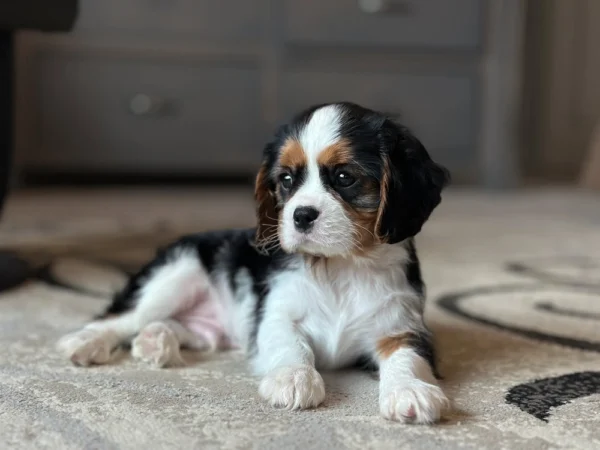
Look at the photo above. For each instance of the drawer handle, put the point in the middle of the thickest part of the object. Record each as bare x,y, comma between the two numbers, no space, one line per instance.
373,6
384,6
146,105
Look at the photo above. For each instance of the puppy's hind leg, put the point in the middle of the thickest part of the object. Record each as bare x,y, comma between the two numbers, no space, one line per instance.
95,343
159,343
158,292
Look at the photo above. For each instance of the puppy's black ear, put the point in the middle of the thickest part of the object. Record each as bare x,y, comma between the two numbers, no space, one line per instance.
411,185
266,202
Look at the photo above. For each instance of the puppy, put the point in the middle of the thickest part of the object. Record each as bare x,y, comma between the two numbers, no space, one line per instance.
329,278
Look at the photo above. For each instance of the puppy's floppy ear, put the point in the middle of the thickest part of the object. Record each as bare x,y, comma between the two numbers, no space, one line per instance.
266,202
411,185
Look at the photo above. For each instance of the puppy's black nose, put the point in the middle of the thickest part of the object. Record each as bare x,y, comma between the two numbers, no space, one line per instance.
304,217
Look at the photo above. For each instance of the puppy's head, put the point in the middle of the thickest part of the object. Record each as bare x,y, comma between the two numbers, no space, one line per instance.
340,179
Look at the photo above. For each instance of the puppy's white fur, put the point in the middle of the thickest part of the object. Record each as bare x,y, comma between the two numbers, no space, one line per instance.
333,231
322,316
293,387
408,391
159,342
338,314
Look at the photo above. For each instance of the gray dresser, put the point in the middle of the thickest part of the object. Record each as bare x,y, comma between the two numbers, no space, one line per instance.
197,86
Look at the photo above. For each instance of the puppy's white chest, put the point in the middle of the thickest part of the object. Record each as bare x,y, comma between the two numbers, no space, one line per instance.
339,323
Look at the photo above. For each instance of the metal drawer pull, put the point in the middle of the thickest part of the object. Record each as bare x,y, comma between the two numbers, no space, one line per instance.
373,6
146,105
385,7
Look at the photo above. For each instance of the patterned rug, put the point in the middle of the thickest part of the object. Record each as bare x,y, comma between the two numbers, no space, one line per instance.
514,300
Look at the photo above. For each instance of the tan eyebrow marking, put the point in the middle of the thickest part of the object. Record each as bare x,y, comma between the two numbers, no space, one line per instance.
335,154
292,154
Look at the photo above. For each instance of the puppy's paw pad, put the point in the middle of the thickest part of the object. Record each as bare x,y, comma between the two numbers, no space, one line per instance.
158,346
86,347
414,402
293,387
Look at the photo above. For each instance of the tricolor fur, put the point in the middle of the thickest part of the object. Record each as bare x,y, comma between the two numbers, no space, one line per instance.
330,277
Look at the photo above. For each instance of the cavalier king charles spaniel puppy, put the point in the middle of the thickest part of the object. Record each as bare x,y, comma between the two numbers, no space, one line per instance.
328,279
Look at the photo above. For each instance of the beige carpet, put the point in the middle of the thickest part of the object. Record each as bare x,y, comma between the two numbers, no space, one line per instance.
514,284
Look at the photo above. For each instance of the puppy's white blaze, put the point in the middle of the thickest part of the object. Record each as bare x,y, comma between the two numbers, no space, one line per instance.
322,130
311,193
332,233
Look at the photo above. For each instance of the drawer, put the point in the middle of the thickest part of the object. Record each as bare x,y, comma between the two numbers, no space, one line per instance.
104,114
416,23
438,108
210,19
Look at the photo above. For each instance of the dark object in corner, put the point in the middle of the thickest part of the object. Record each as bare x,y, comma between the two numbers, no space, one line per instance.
57,15
42,15
13,271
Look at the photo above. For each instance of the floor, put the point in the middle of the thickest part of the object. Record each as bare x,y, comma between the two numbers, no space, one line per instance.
514,300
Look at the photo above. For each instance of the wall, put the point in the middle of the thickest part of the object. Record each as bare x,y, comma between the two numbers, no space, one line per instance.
562,86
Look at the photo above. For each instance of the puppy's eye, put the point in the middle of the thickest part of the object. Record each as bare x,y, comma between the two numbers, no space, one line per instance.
344,179
286,180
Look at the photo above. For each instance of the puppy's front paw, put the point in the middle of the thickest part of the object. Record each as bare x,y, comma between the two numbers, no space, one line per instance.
293,387
413,402
85,347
